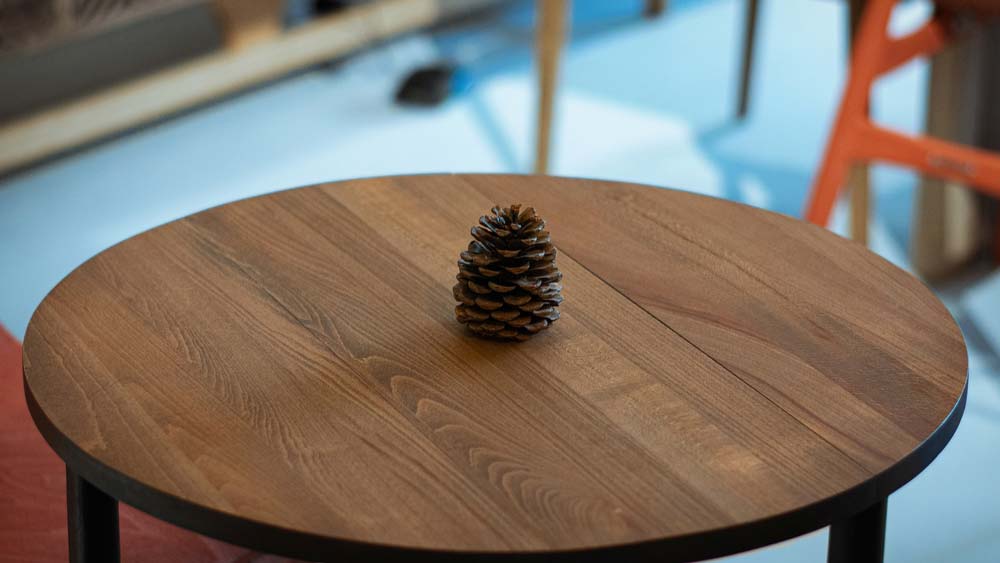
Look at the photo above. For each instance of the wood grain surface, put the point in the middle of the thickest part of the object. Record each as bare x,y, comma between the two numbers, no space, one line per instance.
289,365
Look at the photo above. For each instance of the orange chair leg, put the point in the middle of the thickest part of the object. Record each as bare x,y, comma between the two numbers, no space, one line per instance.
832,174
866,60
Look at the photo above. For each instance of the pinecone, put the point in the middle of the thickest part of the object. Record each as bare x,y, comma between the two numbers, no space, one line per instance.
508,284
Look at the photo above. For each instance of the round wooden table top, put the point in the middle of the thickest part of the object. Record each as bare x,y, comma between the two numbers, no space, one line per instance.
286,373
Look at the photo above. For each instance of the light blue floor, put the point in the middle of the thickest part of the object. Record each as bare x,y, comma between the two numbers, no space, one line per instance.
647,101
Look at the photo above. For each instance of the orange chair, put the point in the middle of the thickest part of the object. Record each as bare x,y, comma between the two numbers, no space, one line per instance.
855,139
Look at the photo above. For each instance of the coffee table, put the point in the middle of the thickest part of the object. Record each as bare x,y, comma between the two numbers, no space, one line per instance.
285,373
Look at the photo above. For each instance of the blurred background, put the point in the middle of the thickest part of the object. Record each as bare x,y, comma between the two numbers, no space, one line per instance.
120,115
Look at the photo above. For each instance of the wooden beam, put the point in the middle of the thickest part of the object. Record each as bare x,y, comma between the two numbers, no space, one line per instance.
141,101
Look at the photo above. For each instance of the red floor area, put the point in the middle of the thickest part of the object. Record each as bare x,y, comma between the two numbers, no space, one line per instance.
33,497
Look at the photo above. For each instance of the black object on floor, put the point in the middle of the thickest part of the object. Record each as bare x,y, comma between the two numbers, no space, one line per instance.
428,86
324,7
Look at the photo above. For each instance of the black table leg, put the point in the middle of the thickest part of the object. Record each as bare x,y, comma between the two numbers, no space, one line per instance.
860,538
93,522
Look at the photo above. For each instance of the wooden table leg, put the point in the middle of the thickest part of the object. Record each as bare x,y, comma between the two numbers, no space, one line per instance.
861,538
996,238
655,8
550,34
859,181
93,522
746,69
964,83
946,230
990,116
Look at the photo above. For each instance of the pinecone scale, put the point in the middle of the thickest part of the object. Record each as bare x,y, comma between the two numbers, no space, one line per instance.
508,283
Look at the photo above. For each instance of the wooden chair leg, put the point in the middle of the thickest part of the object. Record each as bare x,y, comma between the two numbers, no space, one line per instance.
859,181
746,67
860,204
550,35
996,237
245,22
655,8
